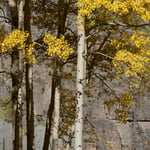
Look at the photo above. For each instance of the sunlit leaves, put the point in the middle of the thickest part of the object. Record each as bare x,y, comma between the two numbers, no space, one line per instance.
130,63
57,46
139,7
88,6
133,54
123,105
17,40
29,57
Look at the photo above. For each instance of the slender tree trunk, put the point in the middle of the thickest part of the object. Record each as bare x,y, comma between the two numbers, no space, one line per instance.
61,17
54,106
62,14
29,82
50,114
80,83
14,13
56,118
16,83
14,97
21,70
30,107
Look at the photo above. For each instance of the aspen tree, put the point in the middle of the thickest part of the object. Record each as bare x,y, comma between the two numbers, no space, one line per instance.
80,83
15,41
59,48
29,78
17,71
127,60
52,125
56,114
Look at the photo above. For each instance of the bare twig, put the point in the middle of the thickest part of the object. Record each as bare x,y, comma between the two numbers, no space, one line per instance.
5,72
126,25
104,55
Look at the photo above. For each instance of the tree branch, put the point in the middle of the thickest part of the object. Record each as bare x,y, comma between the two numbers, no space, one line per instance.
100,77
5,72
126,25
6,18
93,61
104,55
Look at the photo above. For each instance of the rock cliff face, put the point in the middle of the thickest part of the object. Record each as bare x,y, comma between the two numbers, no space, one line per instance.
134,135
101,129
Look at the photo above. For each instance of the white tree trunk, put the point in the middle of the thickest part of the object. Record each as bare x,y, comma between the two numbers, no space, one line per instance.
56,119
80,83
21,69
21,14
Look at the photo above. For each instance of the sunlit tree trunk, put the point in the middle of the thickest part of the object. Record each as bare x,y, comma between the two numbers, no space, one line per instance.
50,114
54,107
62,14
80,83
29,82
21,70
17,72
56,119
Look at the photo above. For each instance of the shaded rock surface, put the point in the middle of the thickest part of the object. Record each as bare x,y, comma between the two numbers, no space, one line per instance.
101,123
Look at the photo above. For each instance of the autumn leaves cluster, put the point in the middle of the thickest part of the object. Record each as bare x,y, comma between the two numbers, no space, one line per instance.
17,40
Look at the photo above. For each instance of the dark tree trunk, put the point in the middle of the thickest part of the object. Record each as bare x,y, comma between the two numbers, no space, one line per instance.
29,82
16,113
30,108
50,115
62,14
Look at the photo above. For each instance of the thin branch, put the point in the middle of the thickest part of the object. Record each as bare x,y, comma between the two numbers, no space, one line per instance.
2,72
99,76
126,25
95,132
104,55
6,18
104,41
5,72
93,61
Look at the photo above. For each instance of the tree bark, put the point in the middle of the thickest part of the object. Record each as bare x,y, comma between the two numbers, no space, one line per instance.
80,83
14,97
56,118
29,82
62,14
30,107
16,83
14,13
50,114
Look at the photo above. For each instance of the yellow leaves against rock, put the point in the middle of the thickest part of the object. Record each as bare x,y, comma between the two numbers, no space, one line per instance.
133,54
140,39
16,39
29,57
130,63
121,7
57,46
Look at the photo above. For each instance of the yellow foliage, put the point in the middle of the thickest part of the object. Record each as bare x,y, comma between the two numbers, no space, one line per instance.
134,85
123,105
109,144
140,7
132,61
140,39
57,46
16,39
28,54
